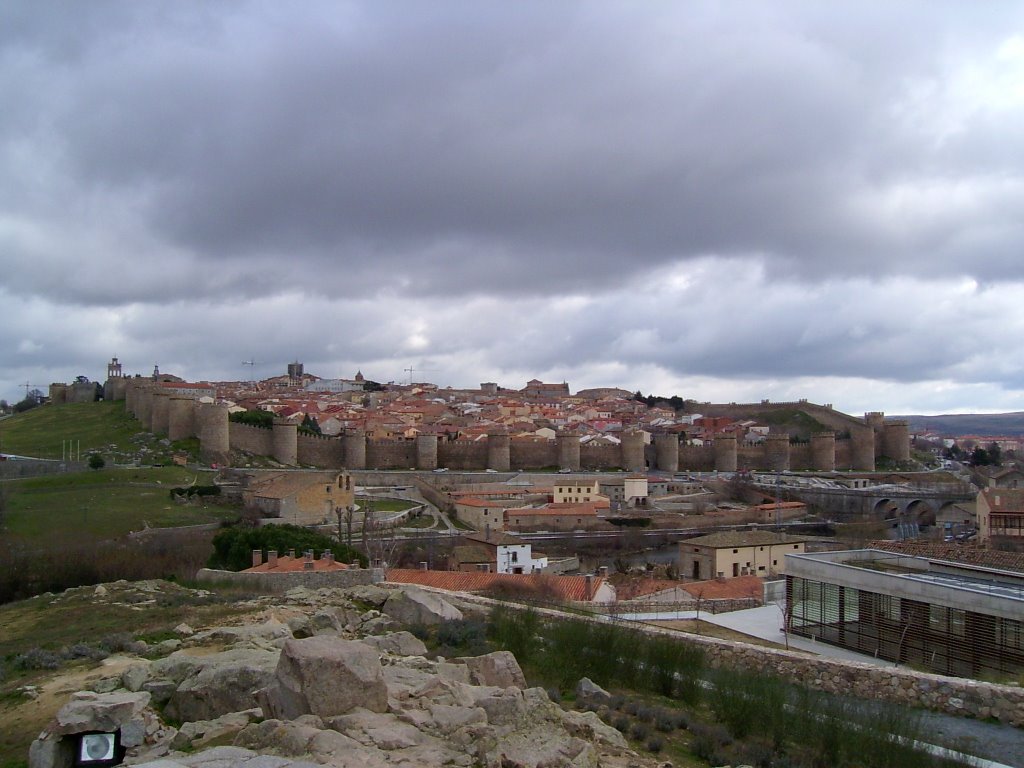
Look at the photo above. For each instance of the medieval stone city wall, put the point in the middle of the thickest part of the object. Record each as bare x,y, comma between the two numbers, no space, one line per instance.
533,454
697,458
245,437
462,454
321,452
601,457
391,454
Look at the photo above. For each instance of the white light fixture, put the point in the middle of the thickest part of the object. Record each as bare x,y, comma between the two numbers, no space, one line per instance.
97,748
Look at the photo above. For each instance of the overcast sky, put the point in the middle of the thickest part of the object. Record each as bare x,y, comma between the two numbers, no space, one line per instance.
724,201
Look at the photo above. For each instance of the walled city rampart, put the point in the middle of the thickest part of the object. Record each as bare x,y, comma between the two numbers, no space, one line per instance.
854,445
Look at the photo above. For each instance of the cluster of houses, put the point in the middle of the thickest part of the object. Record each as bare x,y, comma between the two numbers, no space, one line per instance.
534,413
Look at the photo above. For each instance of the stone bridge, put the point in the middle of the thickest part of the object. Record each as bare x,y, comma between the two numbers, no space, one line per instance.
886,502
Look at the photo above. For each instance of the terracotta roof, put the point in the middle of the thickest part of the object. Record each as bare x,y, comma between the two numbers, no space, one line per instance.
630,588
285,484
727,539
970,554
726,589
567,587
287,564
1004,500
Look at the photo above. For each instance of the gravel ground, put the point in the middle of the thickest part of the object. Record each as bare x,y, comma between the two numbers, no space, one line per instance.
1000,743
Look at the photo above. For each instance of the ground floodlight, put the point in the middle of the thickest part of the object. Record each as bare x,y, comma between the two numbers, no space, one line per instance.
97,749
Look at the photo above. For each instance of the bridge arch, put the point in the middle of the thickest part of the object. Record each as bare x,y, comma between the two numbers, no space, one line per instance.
921,512
886,508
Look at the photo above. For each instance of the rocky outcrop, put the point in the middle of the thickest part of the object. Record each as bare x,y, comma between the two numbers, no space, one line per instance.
324,676
412,606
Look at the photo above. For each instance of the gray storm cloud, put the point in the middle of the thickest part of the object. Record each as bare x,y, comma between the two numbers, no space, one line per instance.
524,179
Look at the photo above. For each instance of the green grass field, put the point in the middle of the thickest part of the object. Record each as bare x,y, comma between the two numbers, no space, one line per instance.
88,426
106,504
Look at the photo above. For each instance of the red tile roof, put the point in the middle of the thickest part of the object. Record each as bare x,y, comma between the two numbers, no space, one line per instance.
726,589
287,564
567,587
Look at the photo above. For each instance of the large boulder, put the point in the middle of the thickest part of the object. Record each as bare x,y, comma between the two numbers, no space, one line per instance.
397,643
416,606
325,676
222,683
498,669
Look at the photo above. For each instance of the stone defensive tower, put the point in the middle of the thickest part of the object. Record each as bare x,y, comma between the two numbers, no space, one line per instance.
354,444
286,441
725,453
862,447
896,440
130,388
666,450
499,451
144,404
776,449
181,419
568,451
633,458
161,412
214,432
426,452
823,451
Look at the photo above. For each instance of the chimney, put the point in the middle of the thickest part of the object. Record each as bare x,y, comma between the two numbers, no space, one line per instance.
257,558
291,553
603,571
590,585
308,555
355,564
272,558
423,565
328,556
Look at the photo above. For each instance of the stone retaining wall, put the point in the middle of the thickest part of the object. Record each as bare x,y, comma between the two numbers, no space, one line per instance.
282,582
950,695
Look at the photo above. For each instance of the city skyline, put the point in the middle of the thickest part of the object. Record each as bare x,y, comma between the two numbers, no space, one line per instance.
792,201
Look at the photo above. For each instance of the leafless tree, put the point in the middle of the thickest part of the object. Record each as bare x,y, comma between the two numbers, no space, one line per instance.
380,539
346,521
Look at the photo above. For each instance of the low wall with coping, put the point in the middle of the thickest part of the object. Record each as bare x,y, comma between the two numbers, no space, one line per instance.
956,696
282,582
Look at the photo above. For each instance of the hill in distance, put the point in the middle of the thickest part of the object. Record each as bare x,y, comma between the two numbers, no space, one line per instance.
982,424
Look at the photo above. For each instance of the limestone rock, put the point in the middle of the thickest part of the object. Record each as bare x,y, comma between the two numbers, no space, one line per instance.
222,685
397,643
369,594
324,676
499,668
588,690
416,606
99,712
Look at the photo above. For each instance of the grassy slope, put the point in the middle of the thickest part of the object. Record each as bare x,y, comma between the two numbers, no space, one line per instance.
101,505
92,427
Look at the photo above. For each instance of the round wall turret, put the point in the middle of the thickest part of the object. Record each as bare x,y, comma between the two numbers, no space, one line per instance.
568,451
161,412
823,452
144,405
354,444
666,449
214,433
426,452
896,440
632,447
499,451
725,453
776,453
181,419
862,446
286,442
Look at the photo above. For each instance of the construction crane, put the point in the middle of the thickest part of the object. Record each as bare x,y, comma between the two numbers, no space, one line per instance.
410,370
252,363
28,386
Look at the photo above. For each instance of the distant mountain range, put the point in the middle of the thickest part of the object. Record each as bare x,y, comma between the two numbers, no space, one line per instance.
981,424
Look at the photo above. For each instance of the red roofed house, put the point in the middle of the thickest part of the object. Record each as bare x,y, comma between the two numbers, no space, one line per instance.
1001,518
290,563
589,589
556,517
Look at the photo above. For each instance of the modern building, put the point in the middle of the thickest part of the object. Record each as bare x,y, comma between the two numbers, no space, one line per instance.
736,553
947,617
